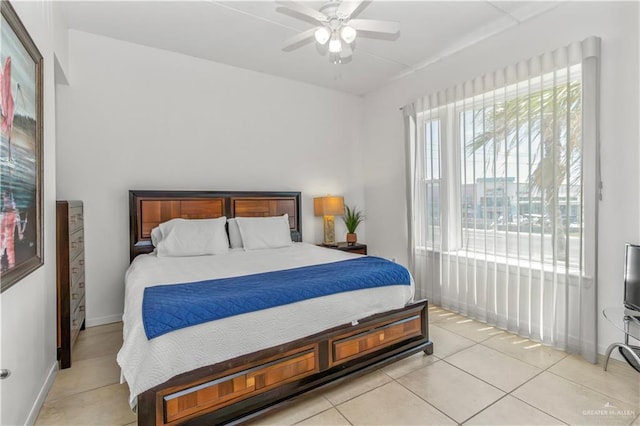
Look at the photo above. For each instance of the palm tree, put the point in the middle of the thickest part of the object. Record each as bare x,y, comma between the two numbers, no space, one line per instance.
549,120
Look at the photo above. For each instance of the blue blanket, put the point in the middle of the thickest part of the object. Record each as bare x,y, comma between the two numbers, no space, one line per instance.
167,308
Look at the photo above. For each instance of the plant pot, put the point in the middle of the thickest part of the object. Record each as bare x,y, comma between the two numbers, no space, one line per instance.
352,238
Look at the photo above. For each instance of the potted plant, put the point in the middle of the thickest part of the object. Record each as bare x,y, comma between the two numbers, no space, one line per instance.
352,218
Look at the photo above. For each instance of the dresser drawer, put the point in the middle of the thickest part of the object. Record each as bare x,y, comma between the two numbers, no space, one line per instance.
77,287
76,269
76,243
76,218
77,318
77,294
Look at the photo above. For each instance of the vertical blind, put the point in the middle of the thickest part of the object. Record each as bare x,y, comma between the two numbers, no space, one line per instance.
503,181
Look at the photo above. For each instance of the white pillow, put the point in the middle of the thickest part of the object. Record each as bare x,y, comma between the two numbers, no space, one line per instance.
156,236
264,232
193,237
234,234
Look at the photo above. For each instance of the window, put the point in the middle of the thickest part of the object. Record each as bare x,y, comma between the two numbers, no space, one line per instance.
518,172
503,181
432,182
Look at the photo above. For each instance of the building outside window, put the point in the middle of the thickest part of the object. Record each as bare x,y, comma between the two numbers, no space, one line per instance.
519,168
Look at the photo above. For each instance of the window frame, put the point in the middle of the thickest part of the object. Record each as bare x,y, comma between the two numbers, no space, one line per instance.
450,169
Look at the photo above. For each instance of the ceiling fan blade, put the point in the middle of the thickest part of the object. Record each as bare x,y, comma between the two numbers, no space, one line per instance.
376,26
304,10
346,8
299,39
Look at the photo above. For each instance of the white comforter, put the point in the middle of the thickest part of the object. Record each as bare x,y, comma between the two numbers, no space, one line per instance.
147,363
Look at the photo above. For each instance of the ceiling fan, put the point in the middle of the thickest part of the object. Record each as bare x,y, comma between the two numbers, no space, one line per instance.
337,29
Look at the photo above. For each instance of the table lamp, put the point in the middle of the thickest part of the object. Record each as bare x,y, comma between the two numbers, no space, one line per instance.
328,207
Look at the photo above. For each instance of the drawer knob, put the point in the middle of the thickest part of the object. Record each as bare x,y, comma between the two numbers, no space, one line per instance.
81,308
4,373
81,285
74,296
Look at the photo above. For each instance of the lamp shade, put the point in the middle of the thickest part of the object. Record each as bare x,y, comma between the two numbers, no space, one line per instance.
328,206
348,34
322,35
335,45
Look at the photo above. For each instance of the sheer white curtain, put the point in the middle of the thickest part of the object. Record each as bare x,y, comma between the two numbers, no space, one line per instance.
502,191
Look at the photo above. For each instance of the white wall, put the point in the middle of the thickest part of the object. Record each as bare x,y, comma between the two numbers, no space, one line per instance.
134,117
617,25
28,308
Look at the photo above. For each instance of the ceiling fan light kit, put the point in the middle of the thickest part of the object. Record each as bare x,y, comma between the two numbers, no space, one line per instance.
322,35
348,34
336,26
335,46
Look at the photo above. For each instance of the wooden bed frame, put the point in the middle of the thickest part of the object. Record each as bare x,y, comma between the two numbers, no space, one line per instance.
245,387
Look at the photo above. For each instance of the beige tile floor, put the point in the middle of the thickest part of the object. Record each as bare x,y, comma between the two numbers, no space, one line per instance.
478,375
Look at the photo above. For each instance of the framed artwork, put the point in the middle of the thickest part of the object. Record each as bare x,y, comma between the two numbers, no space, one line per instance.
20,151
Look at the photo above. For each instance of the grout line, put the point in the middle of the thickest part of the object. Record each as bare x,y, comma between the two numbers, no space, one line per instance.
507,393
561,377
474,343
589,388
527,381
521,360
462,335
316,414
70,371
422,399
486,408
510,393
338,385
420,368
472,375
343,415
444,360
74,394
435,323
538,408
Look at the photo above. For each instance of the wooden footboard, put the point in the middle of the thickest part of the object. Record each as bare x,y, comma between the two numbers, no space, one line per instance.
255,383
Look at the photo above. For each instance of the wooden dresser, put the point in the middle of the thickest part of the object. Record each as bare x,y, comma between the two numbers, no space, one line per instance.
70,276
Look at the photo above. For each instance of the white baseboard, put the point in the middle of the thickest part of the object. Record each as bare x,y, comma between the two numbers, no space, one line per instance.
42,395
92,322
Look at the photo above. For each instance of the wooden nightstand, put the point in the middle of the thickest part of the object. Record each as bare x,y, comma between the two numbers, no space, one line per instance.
343,246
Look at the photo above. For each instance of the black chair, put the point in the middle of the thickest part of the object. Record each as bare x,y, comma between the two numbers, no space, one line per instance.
630,315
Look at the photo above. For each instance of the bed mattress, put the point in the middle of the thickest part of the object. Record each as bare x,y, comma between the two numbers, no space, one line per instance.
146,363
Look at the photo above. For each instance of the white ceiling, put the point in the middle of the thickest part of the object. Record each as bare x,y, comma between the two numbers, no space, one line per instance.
250,34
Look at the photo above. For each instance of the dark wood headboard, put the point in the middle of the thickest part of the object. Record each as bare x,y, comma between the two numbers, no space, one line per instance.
147,209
